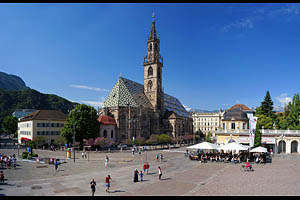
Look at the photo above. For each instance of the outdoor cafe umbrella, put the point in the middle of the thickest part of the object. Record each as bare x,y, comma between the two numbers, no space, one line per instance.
233,146
203,145
259,150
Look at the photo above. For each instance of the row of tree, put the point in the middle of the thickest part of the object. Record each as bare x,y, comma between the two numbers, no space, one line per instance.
267,119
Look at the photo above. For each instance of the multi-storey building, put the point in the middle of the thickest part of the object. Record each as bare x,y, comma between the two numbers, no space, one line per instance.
207,122
47,123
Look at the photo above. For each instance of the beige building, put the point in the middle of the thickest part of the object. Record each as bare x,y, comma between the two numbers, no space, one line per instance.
47,123
235,123
207,122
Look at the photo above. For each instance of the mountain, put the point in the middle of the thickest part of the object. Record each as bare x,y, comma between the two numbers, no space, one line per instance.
31,99
202,111
11,82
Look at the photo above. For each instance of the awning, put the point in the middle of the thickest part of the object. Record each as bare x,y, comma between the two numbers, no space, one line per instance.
24,138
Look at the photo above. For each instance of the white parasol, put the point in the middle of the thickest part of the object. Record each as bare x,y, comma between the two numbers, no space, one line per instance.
204,145
259,150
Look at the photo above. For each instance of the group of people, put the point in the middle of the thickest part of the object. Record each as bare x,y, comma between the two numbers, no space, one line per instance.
159,157
136,173
226,157
83,154
8,161
218,156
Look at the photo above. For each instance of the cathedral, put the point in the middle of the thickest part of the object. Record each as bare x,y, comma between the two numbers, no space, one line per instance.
142,110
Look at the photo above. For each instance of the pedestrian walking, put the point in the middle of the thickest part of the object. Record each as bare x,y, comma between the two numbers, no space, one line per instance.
159,173
93,186
56,164
141,175
161,157
1,177
136,176
157,156
82,154
133,151
107,183
106,161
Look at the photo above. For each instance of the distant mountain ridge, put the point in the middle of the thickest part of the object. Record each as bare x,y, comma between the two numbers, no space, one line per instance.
14,94
202,111
11,82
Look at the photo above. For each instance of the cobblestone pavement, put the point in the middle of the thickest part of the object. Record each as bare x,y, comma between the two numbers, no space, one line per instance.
181,176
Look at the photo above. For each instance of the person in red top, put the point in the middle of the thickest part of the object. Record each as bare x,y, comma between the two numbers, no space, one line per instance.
107,183
248,166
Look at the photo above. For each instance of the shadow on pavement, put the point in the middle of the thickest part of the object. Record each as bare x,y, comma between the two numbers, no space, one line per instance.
115,191
164,179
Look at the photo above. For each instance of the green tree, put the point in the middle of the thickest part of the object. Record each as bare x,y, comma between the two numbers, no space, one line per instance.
257,137
60,141
139,141
294,111
152,140
10,125
164,139
207,138
264,121
266,107
84,120
40,140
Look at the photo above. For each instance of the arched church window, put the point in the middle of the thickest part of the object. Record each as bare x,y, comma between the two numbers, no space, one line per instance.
150,47
150,71
104,133
150,85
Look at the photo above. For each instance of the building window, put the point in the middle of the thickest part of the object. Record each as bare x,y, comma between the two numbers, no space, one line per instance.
104,133
232,125
244,126
150,71
224,126
112,134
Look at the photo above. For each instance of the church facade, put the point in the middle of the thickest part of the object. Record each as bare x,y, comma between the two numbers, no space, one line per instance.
142,110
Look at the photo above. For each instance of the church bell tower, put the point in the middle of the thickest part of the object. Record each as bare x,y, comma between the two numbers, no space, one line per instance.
153,64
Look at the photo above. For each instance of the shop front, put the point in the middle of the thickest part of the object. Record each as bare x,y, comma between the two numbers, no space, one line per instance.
268,142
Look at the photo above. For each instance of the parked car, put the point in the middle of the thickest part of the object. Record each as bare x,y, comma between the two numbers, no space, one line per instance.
124,146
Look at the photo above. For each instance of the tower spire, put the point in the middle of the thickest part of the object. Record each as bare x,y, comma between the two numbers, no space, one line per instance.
153,35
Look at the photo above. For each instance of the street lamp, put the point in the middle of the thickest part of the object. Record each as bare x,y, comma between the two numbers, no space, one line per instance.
133,120
74,133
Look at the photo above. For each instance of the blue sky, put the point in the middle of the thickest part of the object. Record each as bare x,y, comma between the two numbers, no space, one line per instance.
215,55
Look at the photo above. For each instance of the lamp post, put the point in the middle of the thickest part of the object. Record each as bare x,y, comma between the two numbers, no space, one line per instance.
74,133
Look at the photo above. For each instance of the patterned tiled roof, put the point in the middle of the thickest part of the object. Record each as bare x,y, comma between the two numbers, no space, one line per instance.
129,93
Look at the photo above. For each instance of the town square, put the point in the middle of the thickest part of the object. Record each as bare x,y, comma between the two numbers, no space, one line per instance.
150,99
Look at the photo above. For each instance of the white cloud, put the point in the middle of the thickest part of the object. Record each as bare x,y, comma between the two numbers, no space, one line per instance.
187,108
283,99
245,23
89,88
95,104
254,16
